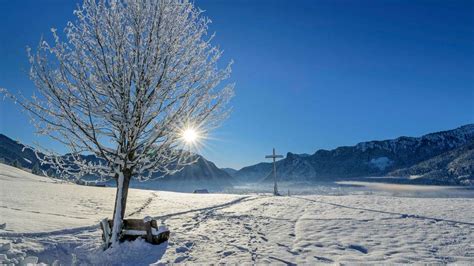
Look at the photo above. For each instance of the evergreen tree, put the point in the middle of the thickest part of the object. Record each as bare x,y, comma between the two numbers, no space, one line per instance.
16,163
51,173
36,170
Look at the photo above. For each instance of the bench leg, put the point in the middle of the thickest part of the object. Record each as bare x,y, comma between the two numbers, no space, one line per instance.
104,224
149,235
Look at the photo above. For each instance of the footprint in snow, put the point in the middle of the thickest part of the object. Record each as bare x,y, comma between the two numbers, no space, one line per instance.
181,249
323,259
358,248
180,259
242,248
227,253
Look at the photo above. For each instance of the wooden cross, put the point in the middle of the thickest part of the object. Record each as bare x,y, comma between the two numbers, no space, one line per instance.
274,156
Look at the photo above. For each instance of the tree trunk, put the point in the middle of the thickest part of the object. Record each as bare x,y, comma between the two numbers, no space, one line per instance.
123,182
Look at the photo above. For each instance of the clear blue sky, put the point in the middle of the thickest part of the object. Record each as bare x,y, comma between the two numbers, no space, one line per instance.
309,74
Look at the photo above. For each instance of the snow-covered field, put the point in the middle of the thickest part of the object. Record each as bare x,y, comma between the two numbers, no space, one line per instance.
59,222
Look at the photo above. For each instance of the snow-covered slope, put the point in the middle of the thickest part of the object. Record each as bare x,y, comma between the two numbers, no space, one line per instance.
452,167
59,222
51,204
373,158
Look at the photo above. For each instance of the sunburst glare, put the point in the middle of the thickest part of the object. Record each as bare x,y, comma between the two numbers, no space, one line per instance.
190,135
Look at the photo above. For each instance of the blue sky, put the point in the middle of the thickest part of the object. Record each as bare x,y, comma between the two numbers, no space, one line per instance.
309,74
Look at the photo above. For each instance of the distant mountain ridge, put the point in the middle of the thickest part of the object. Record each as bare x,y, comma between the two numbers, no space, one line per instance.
230,171
202,171
444,157
372,158
11,151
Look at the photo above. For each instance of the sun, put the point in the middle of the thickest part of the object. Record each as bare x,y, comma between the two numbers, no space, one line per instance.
190,135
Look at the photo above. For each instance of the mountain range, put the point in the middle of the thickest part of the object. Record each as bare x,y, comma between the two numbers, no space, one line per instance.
202,171
445,157
13,152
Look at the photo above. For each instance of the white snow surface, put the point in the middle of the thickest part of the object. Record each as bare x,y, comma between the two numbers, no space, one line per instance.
57,221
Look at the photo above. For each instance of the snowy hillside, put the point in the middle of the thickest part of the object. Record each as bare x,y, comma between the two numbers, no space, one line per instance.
59,222
452,167
373,158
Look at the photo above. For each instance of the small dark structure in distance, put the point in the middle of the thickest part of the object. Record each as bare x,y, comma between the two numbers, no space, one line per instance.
201,191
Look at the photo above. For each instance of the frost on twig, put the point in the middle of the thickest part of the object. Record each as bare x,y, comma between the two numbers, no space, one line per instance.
121,86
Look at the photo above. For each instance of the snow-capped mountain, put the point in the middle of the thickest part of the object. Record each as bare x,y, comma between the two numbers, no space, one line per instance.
373,158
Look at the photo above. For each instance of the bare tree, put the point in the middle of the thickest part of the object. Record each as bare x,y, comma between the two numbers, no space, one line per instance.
130,77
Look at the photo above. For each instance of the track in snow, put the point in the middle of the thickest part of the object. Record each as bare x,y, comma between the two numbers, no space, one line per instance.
402,215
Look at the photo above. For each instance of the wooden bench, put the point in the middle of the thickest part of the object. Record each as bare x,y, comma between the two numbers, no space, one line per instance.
146,228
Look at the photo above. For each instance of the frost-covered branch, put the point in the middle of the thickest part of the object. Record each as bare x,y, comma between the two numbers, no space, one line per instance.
126,80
